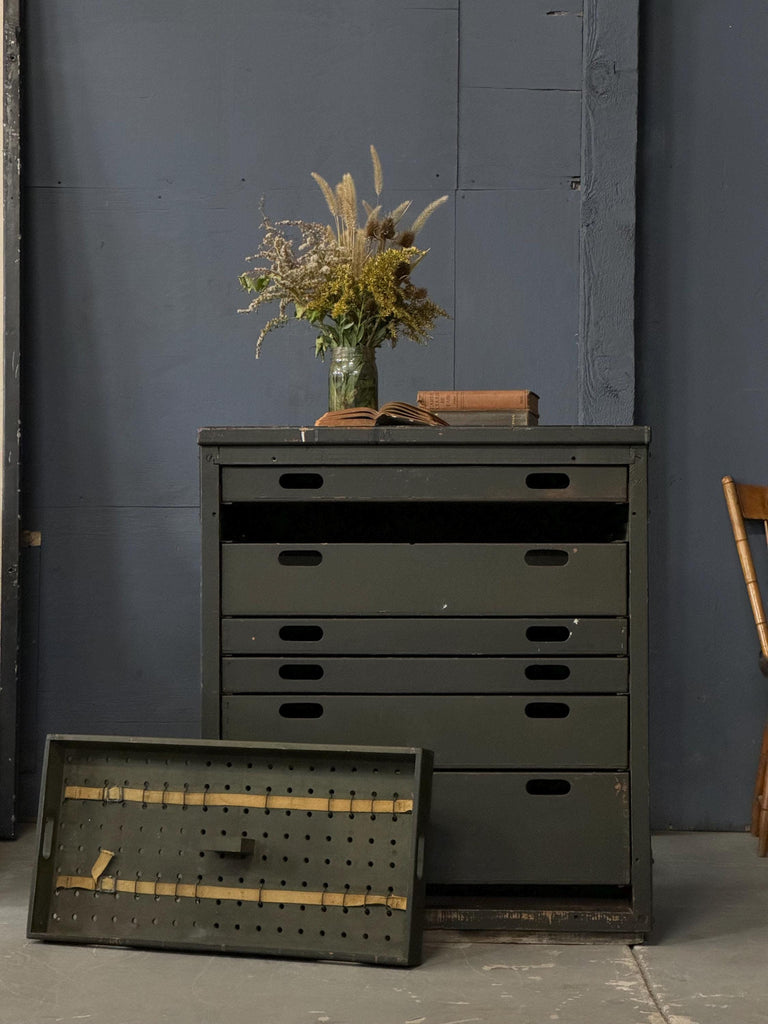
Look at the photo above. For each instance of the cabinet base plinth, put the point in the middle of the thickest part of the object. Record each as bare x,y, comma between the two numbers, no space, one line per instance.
527,914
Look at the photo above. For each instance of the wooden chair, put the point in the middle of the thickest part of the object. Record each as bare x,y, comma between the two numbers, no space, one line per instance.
748,501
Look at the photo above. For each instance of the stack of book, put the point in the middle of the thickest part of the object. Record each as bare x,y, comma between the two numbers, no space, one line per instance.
483,408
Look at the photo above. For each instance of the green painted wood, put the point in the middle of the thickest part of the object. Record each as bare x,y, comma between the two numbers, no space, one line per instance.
551,637
190,844
486,731
639,709
509,440
424,483
423,675
423,579
577,838
378,641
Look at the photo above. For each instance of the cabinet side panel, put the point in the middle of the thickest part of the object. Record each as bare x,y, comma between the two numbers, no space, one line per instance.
210,588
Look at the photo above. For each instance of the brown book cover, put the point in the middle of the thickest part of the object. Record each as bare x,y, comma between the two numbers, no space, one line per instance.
526,401
392,414
489,418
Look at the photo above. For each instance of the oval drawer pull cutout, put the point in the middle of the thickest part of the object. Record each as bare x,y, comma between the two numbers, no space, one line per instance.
545,671
547,787
301,633
300,671
299,558
302,709
547,709
548,634
301,481
548,481
546,556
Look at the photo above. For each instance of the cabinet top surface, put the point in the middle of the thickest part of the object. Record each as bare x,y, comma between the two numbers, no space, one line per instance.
420,436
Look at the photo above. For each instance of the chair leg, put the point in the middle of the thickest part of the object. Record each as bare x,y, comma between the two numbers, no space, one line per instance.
759,783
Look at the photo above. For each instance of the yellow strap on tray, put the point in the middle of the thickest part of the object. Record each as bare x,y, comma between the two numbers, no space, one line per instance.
270,801
224,892
100,865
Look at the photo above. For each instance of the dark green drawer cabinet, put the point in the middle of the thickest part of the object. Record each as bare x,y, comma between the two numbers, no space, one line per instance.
479,592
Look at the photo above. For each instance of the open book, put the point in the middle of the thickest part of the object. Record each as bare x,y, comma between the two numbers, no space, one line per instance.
391,414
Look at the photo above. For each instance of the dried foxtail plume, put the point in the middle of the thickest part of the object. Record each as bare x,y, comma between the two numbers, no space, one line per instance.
378,177
349,201
399,211
327,191
425,214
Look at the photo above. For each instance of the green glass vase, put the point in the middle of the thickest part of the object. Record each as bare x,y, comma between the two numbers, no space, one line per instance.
353,379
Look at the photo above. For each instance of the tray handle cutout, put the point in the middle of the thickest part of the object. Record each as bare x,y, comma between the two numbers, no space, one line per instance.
301,481
547,709
546,557
548,481
543,670
301,709
300,671
547,787
301,634
300,557
46,846
548,634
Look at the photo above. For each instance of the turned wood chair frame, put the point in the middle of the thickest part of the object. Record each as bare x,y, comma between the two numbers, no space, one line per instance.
749,501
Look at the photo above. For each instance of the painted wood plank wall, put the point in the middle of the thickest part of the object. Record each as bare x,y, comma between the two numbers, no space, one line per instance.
153,130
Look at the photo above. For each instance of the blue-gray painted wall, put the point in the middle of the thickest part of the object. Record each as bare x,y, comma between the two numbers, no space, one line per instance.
151,131
703,386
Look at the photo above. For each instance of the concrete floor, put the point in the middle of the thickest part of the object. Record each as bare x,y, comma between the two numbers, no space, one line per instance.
706,965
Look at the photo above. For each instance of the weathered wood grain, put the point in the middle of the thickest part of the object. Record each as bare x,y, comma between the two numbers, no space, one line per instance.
609,142
9,482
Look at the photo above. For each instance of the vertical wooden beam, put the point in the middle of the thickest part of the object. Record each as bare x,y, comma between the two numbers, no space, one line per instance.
9,420
606,373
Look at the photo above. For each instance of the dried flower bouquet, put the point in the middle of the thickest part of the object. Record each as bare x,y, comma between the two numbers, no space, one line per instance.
351,281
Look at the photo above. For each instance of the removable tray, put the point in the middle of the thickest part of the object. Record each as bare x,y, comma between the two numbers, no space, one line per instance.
236,847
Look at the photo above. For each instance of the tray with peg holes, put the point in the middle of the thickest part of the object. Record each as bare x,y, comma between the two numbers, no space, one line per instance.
236,847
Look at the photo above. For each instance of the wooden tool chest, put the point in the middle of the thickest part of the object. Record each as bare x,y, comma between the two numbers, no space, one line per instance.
480,592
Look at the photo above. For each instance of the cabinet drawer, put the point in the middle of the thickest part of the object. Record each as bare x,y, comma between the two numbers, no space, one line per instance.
423,675
514,828
423,579
424,483
448,636
463,731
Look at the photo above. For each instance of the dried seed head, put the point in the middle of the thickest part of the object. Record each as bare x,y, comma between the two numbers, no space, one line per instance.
421,220
327,191
378,180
